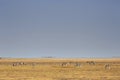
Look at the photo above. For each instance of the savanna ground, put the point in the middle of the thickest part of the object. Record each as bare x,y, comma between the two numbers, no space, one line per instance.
52,69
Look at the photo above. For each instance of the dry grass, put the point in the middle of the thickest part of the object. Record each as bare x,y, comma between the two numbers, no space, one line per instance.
50,69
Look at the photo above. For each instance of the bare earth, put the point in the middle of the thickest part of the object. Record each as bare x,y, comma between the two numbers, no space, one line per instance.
59,69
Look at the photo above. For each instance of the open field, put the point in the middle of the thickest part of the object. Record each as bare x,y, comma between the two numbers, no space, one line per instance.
60,69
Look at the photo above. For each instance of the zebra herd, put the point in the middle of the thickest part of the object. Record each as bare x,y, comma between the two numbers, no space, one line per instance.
22,64
91,62
78,64
18,64
66,64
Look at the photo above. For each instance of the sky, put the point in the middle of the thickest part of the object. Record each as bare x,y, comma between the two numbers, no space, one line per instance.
59,28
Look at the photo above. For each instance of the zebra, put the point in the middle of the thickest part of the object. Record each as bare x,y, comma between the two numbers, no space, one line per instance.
65,64
18,63
107,66
77,64
91,62
15,64
21,63
33,64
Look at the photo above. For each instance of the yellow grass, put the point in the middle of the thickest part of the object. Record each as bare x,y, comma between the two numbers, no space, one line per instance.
50,69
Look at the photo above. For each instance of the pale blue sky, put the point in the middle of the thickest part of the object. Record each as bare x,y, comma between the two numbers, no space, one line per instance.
59,28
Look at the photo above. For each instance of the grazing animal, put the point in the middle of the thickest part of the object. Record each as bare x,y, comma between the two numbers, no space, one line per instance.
21,63
91,62
64,64
18,63
33,64
107,66
15,64
77,64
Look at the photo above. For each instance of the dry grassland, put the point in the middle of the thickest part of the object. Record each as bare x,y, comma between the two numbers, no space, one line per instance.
59,69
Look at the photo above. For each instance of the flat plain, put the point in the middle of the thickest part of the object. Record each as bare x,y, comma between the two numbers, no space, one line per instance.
59,69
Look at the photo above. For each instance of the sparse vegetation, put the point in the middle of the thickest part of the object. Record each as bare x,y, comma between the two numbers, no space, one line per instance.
52,69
